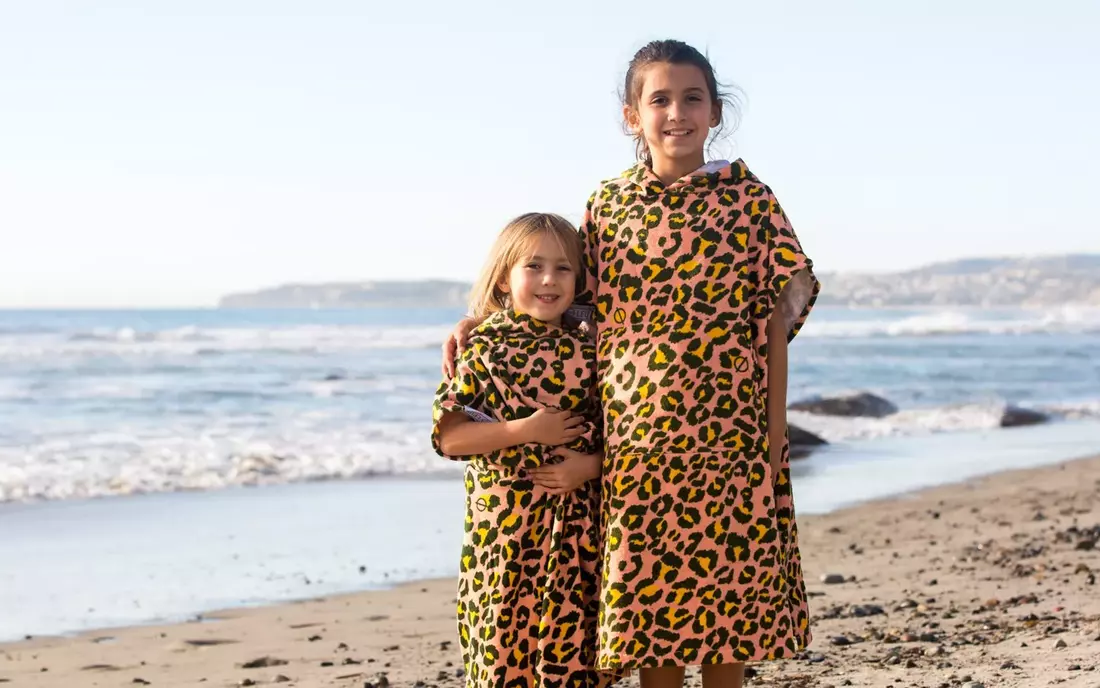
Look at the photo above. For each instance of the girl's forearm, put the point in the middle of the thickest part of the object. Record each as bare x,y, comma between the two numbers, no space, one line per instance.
777,390
460,436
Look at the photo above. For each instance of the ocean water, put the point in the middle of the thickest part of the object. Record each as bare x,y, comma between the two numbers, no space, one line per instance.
105,403
155,465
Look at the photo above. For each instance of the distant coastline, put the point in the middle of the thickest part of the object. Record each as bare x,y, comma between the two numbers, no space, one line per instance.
366,294
980,282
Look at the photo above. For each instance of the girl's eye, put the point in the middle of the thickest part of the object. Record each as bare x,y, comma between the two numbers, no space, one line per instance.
532,266
565,268
659,101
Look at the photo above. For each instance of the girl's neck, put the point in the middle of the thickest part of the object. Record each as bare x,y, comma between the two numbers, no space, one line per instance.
669,170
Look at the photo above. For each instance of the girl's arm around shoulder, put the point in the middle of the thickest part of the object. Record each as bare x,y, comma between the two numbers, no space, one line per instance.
455,343
583,307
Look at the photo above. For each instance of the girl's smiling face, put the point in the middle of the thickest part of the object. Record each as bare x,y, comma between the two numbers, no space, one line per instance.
543,282
674,112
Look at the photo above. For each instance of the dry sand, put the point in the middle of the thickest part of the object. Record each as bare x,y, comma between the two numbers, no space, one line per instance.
990,582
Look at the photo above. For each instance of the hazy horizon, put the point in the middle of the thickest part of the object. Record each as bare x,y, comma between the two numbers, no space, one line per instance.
169,155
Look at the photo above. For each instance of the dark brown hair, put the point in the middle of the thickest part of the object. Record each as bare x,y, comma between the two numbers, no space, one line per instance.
676,52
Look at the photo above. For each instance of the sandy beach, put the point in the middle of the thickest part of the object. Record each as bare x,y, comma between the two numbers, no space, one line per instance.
990,582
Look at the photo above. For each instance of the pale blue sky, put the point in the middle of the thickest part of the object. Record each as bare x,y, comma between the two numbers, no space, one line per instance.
165,152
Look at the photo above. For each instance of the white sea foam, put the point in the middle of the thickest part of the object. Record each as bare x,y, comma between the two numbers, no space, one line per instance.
1077,410
75,465
1066,320
923,421
909,422
192,341
75,462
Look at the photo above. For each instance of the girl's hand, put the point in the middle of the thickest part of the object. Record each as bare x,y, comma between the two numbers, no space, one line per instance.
455,343
552,427
575,470
775,458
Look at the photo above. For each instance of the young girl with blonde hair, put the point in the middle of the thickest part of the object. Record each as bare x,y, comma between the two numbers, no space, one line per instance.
529,578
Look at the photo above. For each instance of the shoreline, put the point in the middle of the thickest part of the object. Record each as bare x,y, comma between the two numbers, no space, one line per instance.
1087,428
166,557
967,579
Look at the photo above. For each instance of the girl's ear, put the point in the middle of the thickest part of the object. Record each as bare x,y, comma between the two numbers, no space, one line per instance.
633,122
502,285
716,114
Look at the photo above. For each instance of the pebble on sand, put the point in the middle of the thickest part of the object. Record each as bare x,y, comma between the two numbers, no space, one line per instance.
263,662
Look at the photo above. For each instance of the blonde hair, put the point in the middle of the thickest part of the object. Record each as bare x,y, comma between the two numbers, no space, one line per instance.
513,245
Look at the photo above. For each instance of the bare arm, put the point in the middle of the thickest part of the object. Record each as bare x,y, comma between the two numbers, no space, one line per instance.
574,470
461,436
777,390
456,342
